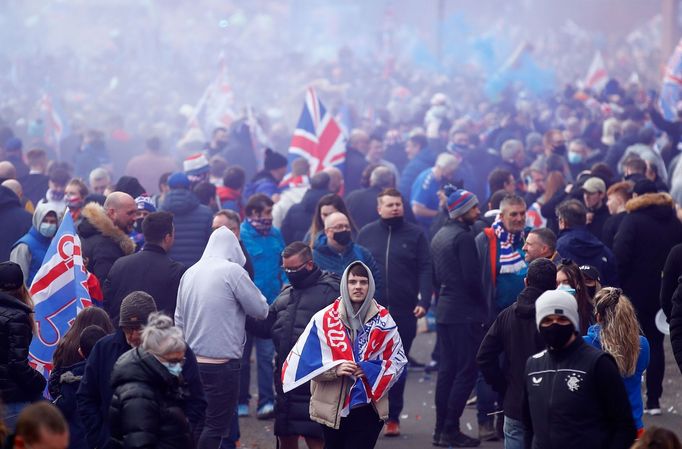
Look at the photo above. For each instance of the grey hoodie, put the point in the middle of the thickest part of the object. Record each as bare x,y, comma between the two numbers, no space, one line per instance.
214,297
356,319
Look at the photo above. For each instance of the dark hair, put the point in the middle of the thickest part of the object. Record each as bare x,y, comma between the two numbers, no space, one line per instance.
156,226
82,187
419,140
229,214
358,269
573,212
60,176
496,198
576,279
217,165
297,248
234,177
330,199
320,181
257,203
163,179
636,164
153,143
541,274
498,178
130,185
204,191
658,438
367,173
376,136
603,172
90,335
547,236
66,353
36,417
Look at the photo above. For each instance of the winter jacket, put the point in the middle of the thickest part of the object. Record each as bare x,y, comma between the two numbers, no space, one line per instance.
583,248
353,167
675,320
422,161
404,259
263,183
458,276
596,227
328,259
610,228
575,398
63,384
34,186
672,270
287,319
265,252
290,196
644,239
230,199
95,391
29,251
633,383
151,271
299,217
147,406
514,334
192,222
103,242
15,221
214,288
18,381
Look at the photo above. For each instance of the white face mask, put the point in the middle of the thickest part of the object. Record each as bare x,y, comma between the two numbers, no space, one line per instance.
48,229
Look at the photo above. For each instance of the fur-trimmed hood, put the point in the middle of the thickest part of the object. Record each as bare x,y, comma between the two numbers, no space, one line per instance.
648,200
96,221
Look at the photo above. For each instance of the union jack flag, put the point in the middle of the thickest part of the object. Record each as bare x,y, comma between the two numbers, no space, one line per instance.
672,85
59,291
318,137
56,126
325,343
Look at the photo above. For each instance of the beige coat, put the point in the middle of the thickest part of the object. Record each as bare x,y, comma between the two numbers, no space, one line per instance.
328,391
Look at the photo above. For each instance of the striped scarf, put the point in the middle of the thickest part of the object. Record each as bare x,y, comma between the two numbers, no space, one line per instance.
511,260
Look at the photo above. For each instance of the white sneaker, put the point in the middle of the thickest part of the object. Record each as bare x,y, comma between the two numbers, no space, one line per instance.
653,411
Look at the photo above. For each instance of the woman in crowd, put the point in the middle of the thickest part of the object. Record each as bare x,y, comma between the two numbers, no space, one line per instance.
570,278
327,205
146,409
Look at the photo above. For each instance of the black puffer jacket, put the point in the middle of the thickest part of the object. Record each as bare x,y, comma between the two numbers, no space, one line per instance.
192,222
146,410
18,381
675,320
287,319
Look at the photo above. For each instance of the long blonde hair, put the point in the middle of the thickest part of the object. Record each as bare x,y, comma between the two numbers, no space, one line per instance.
620,329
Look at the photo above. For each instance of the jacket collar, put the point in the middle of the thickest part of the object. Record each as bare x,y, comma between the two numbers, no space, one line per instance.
98,218
12,302
151,247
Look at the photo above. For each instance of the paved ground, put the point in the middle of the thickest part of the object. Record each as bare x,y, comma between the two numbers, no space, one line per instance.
419,414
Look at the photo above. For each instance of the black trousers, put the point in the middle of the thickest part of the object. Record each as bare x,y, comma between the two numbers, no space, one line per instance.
221,387
656,368
407,329
359,430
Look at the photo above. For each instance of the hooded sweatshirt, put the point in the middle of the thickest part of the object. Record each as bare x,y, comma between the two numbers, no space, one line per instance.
214,297
29,251
356,319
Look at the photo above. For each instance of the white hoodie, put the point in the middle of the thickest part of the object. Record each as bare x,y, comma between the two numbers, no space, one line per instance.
214,297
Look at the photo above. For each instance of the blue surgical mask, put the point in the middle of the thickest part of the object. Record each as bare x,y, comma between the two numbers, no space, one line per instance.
48,229
574,158
567,288
174,368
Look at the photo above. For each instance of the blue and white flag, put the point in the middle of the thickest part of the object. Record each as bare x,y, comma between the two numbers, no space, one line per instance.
672,83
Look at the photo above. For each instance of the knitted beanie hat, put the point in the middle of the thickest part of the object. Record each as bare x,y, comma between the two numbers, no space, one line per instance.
11,276
460,202
274,160
195,165
135,309
143,202
557,302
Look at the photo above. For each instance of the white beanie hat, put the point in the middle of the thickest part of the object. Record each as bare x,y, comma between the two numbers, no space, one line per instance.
557,302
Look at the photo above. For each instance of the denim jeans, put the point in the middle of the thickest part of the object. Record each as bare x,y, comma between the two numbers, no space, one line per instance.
265,354
221,387
12,410
407,329
513,433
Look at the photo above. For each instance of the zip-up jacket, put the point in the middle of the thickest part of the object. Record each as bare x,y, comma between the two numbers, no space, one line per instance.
402,253
575,398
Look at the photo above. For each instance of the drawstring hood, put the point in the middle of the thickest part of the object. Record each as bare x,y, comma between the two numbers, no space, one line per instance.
356,320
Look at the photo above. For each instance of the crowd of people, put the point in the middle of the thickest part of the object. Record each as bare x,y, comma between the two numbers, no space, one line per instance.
543,234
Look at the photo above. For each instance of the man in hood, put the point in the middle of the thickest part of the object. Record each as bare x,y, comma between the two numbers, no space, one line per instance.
104,232
514,334
29,251
192,220
214,288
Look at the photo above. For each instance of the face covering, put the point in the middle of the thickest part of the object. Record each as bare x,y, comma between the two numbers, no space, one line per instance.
261,225
556,335
592,291
342,238
297,278
567,288
393,221
74,202
575,158
174,368
560,150
56,195
137,226
48,229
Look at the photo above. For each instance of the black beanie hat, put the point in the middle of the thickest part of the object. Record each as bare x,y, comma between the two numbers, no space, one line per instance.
11,277
135,309
274,160
129,185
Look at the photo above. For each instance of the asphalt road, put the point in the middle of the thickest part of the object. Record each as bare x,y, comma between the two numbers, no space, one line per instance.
418,416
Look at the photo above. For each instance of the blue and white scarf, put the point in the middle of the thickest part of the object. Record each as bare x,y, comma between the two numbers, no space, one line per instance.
511,260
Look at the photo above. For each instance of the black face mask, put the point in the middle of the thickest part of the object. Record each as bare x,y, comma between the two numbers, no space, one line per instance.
297,278
556,335
592,291
560,150
393,221
342,238
137,226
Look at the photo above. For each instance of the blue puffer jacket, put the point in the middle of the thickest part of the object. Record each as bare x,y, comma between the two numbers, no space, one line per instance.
37,246
633,384
265,253
583,248
329,260
192,225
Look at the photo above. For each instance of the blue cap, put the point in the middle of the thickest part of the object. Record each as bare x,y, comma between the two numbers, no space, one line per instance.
178,180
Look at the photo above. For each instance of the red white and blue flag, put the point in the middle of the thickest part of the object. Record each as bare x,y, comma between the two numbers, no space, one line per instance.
59,293
318,137
56,127
325,344
671,91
